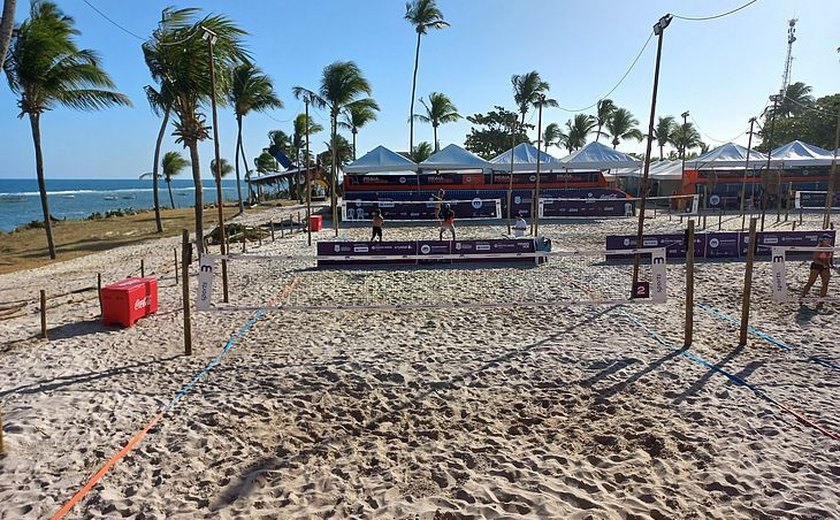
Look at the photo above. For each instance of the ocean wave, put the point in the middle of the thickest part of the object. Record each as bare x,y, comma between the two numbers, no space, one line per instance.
118,190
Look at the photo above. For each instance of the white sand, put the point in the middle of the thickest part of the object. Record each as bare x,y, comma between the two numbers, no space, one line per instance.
518,412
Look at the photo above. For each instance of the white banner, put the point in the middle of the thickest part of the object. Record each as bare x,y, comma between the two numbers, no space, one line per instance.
658,275
204,294
778,270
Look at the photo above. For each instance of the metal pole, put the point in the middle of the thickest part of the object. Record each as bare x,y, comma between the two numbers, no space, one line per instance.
682,157
829,196
659,30
185,290
689,284
510,180
210,36
745,302
535,221
308,180
775,99
746,169
44,314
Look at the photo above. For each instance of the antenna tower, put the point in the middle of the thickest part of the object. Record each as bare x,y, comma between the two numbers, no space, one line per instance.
789,58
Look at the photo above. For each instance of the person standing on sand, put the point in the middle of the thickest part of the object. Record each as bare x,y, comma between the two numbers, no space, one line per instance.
448,221
378,220
520,226
821,266
438,201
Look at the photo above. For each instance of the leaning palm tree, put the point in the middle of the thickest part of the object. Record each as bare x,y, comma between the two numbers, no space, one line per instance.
662,132
358,115
553,136
421,152
173,163
187,74
250,91
342,84
7,25
528,91
578,130
423,15
797,100
45,68
439,111
604,110
225,169
622,126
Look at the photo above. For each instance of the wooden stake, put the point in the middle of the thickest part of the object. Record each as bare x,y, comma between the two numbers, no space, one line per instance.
142,268
259,235
720,218
243,243
689,284
175,252
44,314
745,304
99,291
2,445
185,291
282,229
271,225
298,215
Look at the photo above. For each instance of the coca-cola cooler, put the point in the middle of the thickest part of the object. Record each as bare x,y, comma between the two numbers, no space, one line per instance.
127,301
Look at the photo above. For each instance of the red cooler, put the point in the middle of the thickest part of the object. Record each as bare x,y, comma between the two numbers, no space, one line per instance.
127,301
316,222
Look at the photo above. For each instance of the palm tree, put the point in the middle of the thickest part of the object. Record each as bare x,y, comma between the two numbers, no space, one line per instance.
342,83
439,110
528,90
226,168
797,100
173,163
45,68
7,25
577,130
604,110
187,75
553,136
662,132
421,152
160,98
265,163
250,90
685,137
299,135
622,126
343,153
423,15
358,115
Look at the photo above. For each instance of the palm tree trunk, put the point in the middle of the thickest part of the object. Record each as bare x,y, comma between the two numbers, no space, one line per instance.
155,166
354,144
169,187
7,25
35,122
434,131
236,161
598,135
334,169
199,196
661,151
413,93
247,175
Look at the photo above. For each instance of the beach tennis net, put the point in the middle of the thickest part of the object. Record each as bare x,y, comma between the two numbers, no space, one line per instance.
358,210
297,284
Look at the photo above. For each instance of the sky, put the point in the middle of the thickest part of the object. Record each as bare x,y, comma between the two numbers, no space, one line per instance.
721,71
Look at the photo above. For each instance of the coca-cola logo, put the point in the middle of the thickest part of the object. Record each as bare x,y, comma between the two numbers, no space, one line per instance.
142,303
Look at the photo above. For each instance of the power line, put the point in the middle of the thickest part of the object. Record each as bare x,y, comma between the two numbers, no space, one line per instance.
620,81
713,17
719,140
113,22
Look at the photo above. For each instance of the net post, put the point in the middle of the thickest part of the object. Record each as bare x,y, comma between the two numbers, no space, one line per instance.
185,290
745,303
271,225
720,218
282,228
2,444
175,254
794,226
689,284
142,268
43,296
99,291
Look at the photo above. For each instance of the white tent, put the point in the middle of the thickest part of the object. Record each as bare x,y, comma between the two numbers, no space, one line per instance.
525,159
379,160
453,157
597,156
797,153
729,155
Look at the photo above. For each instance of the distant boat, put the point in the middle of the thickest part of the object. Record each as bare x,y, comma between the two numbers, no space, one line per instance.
110,197
67,196
12,198
182,194
129,197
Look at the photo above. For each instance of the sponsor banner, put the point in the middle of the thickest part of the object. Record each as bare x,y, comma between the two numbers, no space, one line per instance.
658,277
475,208
779,285
769,239
815,200
333,253
380,180
722,245
531,178
204,294
590,207
347,253
674,244
477,247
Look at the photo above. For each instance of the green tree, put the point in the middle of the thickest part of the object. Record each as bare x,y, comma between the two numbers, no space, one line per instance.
684,137
528,89
158,49
797,100
439,111
421,152
265,163
490,134
342,85
553,135
603,111
577,131
299,135
358,115
173,163
226,168
622,126
815,126
343,154
187,74
250,91
663,131
45,68
423,15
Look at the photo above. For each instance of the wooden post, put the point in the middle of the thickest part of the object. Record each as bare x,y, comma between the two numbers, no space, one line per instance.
2,445
259,236
689,284
99,291
282,229
745,304
243,243
175,254
800,215
291,224
299,220
271,225
142,268
44,314
794,226
185,291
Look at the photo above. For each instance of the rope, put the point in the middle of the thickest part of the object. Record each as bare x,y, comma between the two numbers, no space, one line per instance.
715,16
113,22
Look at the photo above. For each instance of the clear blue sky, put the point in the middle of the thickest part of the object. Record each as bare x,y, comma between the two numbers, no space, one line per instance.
722,70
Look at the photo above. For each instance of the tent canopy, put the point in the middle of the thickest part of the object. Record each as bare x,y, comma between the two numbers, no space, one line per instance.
729,155
379,160
659,171
524,159
597,156
797,153
453,157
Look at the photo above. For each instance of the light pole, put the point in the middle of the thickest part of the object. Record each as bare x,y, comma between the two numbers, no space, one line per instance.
510,180
308,178
684,116
775,98
210,37
535,221
746,169
659,30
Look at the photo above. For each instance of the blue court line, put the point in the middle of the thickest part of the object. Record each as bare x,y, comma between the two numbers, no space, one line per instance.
766,337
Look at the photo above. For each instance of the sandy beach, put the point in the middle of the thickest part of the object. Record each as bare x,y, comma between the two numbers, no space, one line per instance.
568,412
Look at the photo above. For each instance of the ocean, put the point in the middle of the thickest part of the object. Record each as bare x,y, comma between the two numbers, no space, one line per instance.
78,198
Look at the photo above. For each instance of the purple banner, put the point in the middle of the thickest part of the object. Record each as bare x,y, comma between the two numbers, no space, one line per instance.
334,253
769,239
722,245
674,244
400,210
531,178
816,200
589,208
338,253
